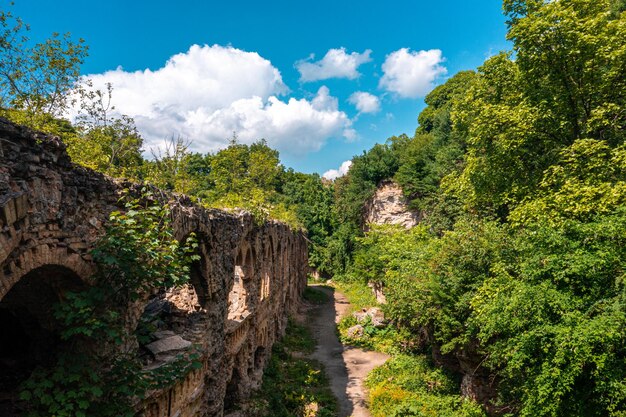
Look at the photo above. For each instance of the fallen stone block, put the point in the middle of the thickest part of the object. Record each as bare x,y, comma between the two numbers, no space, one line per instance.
168,344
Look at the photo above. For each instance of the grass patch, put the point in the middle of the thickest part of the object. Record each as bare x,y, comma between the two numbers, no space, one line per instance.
293,386
359,295
315,296
297,339
410,385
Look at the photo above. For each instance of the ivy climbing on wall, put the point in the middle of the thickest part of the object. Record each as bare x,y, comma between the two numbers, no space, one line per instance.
97,371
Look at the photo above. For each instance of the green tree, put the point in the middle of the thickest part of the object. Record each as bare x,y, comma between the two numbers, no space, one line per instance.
35,80
312,201
170,167
105,141
240,168
566,83
572,56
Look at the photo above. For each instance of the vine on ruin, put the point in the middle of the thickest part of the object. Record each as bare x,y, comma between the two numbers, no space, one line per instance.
99,373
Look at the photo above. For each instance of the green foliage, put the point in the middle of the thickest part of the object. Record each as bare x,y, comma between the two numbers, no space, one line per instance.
312,202
412,386
520,171
389,339
366,171
340,246
359,295
417,164
246,177
351,193
438,146
565,85
171,168
94,375
297,338
314,296
258,203
589,180
554,323
105,143
508,146
36,78
114,149
573,52
139,252
40,82
294,386
240,168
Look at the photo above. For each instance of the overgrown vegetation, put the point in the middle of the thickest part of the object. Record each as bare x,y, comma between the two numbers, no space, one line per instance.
519,171
411,386
98,373
294,386
314,296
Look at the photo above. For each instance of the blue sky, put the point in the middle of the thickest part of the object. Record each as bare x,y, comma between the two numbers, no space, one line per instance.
321,81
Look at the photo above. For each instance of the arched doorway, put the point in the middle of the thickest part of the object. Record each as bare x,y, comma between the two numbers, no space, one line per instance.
30,332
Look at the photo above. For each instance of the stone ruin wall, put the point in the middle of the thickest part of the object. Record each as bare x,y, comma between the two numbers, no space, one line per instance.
248,280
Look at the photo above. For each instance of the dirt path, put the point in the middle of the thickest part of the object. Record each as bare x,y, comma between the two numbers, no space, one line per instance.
345,366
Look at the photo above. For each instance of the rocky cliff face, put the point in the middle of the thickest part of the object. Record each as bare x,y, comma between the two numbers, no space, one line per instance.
248,280
389,206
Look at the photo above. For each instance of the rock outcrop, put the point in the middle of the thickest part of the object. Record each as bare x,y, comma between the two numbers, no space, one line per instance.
248,280
389,206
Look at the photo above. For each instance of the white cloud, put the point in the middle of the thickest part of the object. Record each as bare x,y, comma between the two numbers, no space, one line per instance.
411,73
350,134
365,102
335,64
209,92
333,174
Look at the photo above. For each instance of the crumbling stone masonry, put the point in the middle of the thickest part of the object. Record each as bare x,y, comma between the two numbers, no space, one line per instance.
248,280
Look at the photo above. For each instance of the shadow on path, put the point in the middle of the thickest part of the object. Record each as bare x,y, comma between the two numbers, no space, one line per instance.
346,366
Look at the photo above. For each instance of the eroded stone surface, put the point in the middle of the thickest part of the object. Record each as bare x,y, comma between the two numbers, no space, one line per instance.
356,332
168,344
373,315
248,280
389,206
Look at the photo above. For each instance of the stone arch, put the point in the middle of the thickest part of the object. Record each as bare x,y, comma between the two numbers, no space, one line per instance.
30,333
232,390
238,303
260,355
29,259
267,270
278,262
250,262
285,270
199,277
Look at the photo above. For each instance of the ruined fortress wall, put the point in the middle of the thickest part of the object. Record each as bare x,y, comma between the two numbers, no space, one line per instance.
248,280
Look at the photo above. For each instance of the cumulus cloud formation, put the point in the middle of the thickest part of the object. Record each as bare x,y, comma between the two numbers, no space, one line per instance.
365,102
209,92
333,174
335,64
411,74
